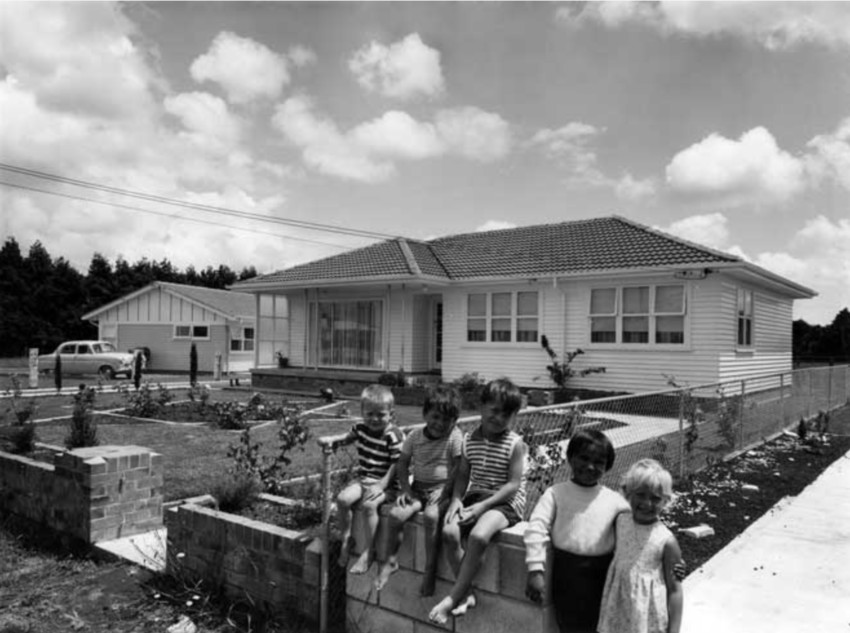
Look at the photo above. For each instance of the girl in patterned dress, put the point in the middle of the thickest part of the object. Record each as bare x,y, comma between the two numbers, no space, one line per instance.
488,493
642,593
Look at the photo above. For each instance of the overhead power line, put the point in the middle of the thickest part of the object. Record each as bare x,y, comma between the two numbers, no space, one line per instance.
304,224
170,215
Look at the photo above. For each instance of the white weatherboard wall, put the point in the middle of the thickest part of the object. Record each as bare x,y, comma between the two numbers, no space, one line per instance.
709,354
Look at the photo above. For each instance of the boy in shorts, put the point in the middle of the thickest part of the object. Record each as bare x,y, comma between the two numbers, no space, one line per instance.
433,451
488,493
378,443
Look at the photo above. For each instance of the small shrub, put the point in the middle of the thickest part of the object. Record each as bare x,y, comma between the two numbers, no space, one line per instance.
561,371
236,491
199,395
83,428
270,470
469,386
23,410
143,403
23,438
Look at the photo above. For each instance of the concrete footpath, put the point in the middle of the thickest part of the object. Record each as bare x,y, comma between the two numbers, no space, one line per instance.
789,572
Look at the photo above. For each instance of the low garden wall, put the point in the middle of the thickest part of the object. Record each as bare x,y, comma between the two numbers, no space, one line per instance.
398,608
276,568
91,494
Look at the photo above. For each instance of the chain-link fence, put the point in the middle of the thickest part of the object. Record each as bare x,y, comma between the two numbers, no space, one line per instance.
686,428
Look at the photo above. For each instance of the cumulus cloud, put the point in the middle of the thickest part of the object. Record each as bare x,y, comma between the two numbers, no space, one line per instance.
710,230
752,169
402,70
474,133
206,117
110,129
571,148
830,155
78,59
301,56
783,25
366,152
246,70
819,255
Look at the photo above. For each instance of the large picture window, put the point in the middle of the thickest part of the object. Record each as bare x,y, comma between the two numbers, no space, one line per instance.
638,315
503,317
346,333
745,317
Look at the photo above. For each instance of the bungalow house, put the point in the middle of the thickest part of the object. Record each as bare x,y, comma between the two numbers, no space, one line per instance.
639,302
167,318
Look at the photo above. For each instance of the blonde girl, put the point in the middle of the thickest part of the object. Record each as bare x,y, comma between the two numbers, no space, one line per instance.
642,593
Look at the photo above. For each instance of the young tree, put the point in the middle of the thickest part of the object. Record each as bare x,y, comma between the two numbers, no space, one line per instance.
193,365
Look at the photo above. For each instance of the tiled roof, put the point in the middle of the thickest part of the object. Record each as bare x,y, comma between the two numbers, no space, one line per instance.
608,243
234,304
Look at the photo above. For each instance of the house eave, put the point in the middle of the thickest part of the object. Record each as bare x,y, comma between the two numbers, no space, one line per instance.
360,282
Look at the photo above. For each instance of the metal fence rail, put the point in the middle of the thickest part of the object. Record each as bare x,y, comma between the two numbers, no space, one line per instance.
686,428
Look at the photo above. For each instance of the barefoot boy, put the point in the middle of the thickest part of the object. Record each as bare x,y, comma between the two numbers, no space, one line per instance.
378,443
433,450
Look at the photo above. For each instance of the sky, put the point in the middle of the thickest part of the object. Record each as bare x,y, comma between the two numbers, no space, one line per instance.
209,133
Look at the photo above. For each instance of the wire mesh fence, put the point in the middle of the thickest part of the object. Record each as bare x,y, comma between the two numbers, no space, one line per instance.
686,428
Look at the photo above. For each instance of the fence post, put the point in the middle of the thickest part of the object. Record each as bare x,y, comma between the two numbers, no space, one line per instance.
324,599
681,433
741,411
811,391
829,390
782,400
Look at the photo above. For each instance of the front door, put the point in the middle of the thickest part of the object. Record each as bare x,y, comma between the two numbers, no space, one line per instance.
437,335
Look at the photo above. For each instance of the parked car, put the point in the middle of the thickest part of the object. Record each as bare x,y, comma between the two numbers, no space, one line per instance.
89,357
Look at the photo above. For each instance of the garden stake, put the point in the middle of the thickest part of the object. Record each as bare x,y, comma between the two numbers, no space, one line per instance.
327,451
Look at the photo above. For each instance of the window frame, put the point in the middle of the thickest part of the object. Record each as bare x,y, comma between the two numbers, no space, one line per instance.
243,341
193,334
514,317
745,318
652,315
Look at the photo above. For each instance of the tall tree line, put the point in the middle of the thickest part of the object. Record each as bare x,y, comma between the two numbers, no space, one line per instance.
42,299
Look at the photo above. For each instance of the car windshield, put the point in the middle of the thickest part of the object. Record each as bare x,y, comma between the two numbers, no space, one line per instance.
106,347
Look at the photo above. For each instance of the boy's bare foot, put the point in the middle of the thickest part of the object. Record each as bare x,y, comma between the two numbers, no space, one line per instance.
465,605
362,564
440,613
427,587
387,570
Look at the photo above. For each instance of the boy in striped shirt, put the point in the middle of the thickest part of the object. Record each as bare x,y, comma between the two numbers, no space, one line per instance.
433,451
378,442
488,493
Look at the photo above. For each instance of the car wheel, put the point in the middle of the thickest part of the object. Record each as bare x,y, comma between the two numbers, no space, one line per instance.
106,372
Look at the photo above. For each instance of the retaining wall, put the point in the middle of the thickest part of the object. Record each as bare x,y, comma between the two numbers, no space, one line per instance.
398,608
279,569
92,494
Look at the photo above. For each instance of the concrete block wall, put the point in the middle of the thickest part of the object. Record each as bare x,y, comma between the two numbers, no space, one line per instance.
398,608
92,494
278,568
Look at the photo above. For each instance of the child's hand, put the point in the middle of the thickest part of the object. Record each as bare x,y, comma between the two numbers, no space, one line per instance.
404,499
453,511
373,492
535,586
469,514
680,570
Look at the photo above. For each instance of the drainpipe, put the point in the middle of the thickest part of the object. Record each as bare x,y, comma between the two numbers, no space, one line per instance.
403,322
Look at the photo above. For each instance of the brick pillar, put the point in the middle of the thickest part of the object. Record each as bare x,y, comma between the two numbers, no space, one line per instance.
106,492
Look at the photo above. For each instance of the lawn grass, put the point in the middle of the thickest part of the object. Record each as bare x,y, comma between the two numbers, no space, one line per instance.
195,456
